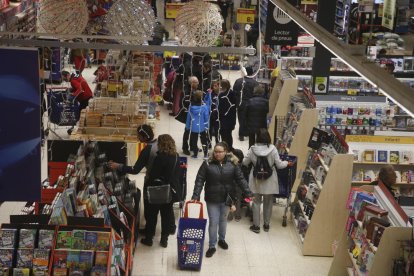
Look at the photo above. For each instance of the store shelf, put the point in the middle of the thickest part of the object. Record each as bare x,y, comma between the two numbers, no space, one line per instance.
355,265
314,176
323,163
303,212
295,221
383,163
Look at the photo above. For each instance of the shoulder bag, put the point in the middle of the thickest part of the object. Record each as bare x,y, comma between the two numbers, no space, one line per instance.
160,191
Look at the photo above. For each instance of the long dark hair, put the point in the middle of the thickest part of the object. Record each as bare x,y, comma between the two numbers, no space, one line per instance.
263,136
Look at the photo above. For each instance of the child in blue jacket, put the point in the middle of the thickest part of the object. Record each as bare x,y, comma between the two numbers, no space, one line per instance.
198,123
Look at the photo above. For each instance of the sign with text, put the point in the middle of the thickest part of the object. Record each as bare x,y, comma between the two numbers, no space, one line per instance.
171,10
346,98
378,139
320,85
245,16
20,169
280,28
388,16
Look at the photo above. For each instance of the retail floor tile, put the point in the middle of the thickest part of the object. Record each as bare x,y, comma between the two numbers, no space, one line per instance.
264,270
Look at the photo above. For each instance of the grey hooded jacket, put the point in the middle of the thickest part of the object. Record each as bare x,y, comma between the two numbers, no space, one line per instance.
270,185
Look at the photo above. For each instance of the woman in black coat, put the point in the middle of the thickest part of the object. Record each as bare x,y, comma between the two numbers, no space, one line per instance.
226,110
166,166
218,176
256,113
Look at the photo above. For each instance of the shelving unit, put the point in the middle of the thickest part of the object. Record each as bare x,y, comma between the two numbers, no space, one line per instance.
328,221
285,87
384,255
342,18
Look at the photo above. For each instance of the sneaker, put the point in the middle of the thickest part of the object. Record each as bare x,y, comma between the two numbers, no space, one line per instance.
237,217
194,156
186,152
255,229
266,227
164,242
210,252
147,241
205,157
223,244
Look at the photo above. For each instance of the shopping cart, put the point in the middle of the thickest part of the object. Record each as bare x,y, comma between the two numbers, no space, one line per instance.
190,239
61,111
286,178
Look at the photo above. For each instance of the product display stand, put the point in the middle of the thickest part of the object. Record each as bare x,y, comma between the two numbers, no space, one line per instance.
328,220
285,87
309,120
389,248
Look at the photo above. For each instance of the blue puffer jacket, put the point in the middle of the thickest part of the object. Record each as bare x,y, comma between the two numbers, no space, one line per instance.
198,118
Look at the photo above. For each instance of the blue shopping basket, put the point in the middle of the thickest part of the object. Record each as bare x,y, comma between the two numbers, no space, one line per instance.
190,239
61,111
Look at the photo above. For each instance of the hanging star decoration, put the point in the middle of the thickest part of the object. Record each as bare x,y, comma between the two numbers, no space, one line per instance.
63,16
131,18
198,24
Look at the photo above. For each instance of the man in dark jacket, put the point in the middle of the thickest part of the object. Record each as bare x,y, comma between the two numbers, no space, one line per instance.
243,89
226,112
256,113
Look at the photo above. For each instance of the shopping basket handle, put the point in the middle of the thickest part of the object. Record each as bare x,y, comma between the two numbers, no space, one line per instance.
201,216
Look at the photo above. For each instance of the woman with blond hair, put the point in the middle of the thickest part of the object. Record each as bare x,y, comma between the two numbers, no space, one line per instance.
166,166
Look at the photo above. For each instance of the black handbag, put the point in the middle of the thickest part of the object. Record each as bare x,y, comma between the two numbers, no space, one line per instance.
160,192
182,116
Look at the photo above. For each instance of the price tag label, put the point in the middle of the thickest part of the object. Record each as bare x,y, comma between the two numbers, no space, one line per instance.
171,10
352,92
245,16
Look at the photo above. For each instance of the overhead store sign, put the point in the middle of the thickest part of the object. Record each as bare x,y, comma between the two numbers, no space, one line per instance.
380,139
245,16
171,10
20,168
280,28
388,16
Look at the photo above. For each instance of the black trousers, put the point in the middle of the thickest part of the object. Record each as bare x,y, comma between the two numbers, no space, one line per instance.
227,137
214,132
186,135
152,212
147,216
204,142
252,138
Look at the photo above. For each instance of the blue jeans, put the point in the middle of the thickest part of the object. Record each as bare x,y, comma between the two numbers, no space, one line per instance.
217,216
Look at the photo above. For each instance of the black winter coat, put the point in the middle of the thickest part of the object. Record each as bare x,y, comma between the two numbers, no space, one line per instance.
227,110
166,167
248,87
208,78
219,179
256,113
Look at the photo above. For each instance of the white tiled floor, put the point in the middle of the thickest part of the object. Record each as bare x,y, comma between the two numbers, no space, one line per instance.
274,253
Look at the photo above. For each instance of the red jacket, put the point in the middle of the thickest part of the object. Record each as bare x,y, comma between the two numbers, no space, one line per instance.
80,88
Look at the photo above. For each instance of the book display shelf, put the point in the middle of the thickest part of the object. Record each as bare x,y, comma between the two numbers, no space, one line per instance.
295,126
372,237
93,212
324,184
373,152
285,86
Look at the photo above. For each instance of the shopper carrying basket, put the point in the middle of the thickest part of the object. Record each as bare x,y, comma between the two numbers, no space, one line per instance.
190,238
219,175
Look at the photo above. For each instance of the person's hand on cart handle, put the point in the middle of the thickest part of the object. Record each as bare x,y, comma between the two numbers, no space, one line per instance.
248,199
290,163
113,165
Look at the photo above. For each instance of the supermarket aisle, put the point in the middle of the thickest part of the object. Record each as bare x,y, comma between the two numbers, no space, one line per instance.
274,253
